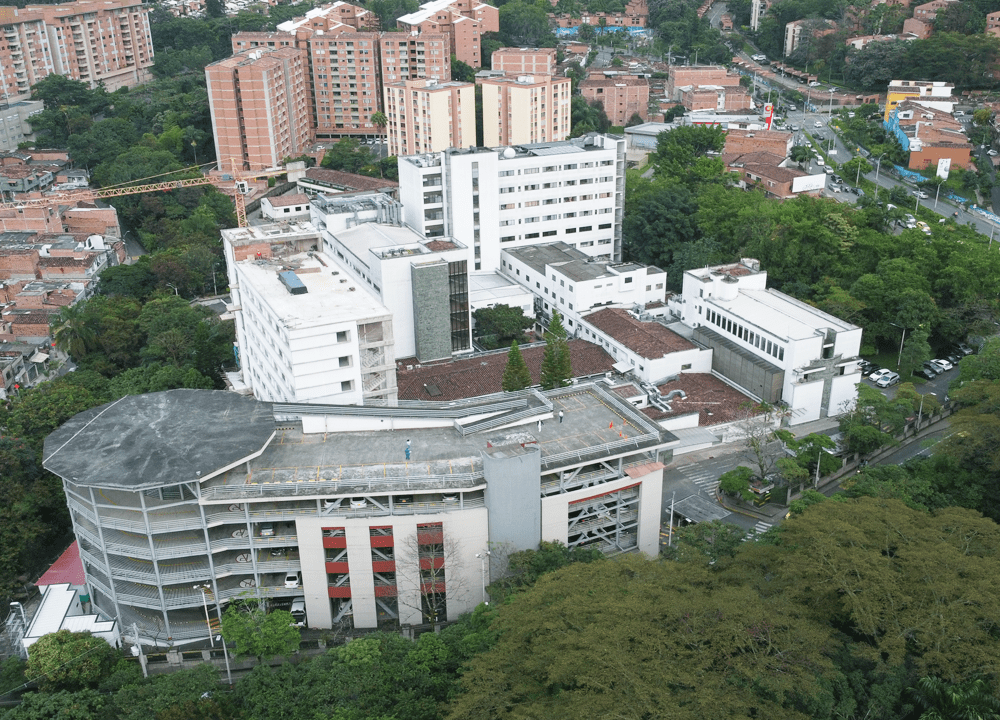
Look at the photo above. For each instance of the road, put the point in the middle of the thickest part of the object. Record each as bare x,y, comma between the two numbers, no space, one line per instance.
715,12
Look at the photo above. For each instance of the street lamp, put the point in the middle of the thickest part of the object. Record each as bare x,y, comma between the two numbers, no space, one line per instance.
878,164
482,569
938,194
899,360
920,412
831,106
173,287
208,619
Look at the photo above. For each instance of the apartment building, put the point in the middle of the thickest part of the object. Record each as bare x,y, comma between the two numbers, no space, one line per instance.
14,125
993,24
715,98
105,42
408,56
425,116
524,61
799,31
775,347
260,107
464,21
680,76
929,135
230,504
566,279
520,195
305,333
921,25
740,141
621,95
525,109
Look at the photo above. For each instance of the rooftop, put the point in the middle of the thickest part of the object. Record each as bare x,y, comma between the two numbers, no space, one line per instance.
469,377
492,288
647,339
565,259
328,298
426,10
158,439
386,241
67,569
348,181
289,200
586,143
614,81
714,401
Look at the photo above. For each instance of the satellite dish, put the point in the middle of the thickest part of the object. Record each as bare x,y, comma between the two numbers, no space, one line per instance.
509,153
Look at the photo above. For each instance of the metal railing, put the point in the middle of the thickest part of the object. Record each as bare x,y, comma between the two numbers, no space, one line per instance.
293,488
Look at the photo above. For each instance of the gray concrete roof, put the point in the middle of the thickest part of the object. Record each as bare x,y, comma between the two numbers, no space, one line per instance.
158,439
566,259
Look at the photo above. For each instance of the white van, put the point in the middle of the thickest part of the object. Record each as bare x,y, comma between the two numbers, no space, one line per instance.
299,610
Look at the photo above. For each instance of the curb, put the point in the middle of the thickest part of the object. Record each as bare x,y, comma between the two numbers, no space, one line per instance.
751,514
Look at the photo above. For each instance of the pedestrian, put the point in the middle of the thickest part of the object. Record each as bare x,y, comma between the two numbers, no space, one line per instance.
539,426
560,417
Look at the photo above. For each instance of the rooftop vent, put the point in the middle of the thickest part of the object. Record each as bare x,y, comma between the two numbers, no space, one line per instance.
292,283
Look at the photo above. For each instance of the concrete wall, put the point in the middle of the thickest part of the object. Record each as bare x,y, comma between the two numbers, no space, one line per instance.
515,514
431,311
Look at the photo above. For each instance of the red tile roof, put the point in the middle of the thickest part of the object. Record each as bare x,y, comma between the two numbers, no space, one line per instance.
713,400
437,245
648,339
481,375
288,200
67,569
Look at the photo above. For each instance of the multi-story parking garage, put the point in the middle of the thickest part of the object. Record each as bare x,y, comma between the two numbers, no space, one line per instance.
372,514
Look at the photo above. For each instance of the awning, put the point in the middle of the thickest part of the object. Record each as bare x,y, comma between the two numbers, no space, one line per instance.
622,366
38,357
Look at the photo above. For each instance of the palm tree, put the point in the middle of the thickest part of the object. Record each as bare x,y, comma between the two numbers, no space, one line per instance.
73,331
971,700
379,120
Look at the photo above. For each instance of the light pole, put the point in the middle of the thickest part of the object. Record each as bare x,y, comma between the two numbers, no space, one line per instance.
173,287
208,619
482,569
878,164
899,360
920,412
938,194
831,108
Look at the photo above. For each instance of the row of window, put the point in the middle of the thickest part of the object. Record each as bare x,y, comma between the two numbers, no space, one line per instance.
557,168
746,335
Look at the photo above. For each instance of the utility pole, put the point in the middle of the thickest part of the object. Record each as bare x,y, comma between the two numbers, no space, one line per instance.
670,530
138,650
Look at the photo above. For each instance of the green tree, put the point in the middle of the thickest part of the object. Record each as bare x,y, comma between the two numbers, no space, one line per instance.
705,543
259,633
500,324
66,660
462,72
348,155
149,699
801,154
60,705
74,331
215,8
556,369
736,483
525,24
379,120
942,700
516,375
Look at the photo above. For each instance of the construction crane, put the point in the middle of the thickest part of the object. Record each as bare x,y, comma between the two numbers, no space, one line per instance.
236,187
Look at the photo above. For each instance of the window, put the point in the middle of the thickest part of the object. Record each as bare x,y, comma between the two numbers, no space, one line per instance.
548,233
507,238
628,280
604,226
345,361
346,386
530,236
586,228
342,336
686,366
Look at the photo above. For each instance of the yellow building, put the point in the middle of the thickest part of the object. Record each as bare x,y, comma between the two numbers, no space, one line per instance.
525,109
932,94
429,116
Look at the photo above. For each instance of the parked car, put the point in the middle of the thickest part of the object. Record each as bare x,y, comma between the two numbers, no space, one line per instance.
879,373
331,503
814,84
920,194
925,373
954,358
828,170
943,364
932,368
867,367
820,162
965,349
267,529
358,503
835,188
991,152
292,580
885,381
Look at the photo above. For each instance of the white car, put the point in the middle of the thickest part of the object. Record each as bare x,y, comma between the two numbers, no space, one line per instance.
991,151
820,162
817,124
921,194
943,364
292,580
835,188
814,84
358,503
879,373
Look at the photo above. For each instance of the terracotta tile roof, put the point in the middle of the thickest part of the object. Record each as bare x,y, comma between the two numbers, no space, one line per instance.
642,470
60,261
30,317
348,180
286,200
778,174
648,339
705,394
480,375
438,245
756,158
627,390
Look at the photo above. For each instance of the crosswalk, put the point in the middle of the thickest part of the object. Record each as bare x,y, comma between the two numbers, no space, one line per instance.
707,480
759,529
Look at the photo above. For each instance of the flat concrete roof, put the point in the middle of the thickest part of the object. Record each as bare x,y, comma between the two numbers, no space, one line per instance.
589,420
781,314
158,439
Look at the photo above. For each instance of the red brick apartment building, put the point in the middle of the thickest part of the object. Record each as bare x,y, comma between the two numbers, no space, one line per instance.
524,61
94,41
622,95
922,23
464,21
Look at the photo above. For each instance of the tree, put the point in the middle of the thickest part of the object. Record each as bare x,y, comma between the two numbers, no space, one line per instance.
69,660
761,447
736,483
150,699
801,154
60,705
462,72
916,350
635,119
525,24
379,120
348,155
705,542
259,633
516,375
215,8
73,330
969,700
556,369
500,324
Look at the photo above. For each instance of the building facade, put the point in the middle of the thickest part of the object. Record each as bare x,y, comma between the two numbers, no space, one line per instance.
621,95
425,116
305,334
260,107
935,95
105,42
778,349
491,199
224,508
524,61
414,57
463,21
525,109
